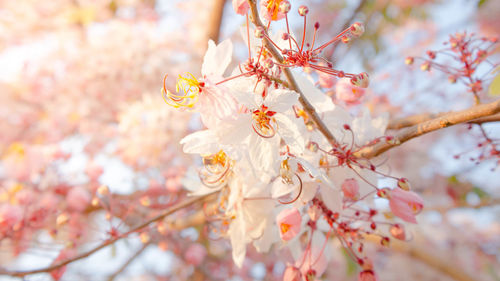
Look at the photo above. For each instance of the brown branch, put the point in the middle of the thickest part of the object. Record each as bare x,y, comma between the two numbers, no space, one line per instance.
108,242
416,251
215,20
446,120
289,77
405,122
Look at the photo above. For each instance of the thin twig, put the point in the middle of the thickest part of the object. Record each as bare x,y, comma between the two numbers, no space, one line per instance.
108,242
446,120
289,77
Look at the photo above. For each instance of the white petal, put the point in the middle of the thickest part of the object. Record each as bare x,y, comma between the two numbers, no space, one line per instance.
235,131
281,100
237,236
201,142
316,97
332,197
217,58
288,129
264,153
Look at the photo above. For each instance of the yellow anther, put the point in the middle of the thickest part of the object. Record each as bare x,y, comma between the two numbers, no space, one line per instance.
187,92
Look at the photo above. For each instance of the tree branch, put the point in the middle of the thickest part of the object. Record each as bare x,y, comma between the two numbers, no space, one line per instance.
446,120
216,20
405,122
418,252
108,242
289,77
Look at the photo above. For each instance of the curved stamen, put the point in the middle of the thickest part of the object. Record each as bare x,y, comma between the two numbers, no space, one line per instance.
298,195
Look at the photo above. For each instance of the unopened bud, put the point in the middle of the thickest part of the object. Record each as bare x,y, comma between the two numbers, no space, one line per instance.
303,10
397,231
145,201
285,36
382,193
285,7
259,32
431,54
345,39
144,236
404,184
409,60
316,25
268,63
357,29
385,241
426,66
103,190
62,219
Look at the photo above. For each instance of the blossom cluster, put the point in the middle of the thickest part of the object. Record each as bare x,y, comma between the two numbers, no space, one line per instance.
281,180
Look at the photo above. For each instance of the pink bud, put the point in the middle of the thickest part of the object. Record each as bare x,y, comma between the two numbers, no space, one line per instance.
78,198
195,254
350,188
397,231
405,204
289,221
241,7
357,29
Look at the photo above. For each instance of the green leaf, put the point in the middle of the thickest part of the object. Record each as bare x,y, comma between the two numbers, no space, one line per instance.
495,86
480,3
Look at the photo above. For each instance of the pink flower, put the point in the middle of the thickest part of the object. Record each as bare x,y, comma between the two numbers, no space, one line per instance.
348,93
195,254
292,273
241,7
78,199
289,221
405,204
350,188
367,275
326,80
274,9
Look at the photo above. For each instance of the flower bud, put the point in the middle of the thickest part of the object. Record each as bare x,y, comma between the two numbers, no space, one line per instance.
285,7
346,39
409,60
397,231
404,184
303,10
426,66
357,29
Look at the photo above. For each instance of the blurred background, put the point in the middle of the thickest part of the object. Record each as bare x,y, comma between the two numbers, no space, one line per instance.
81,108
